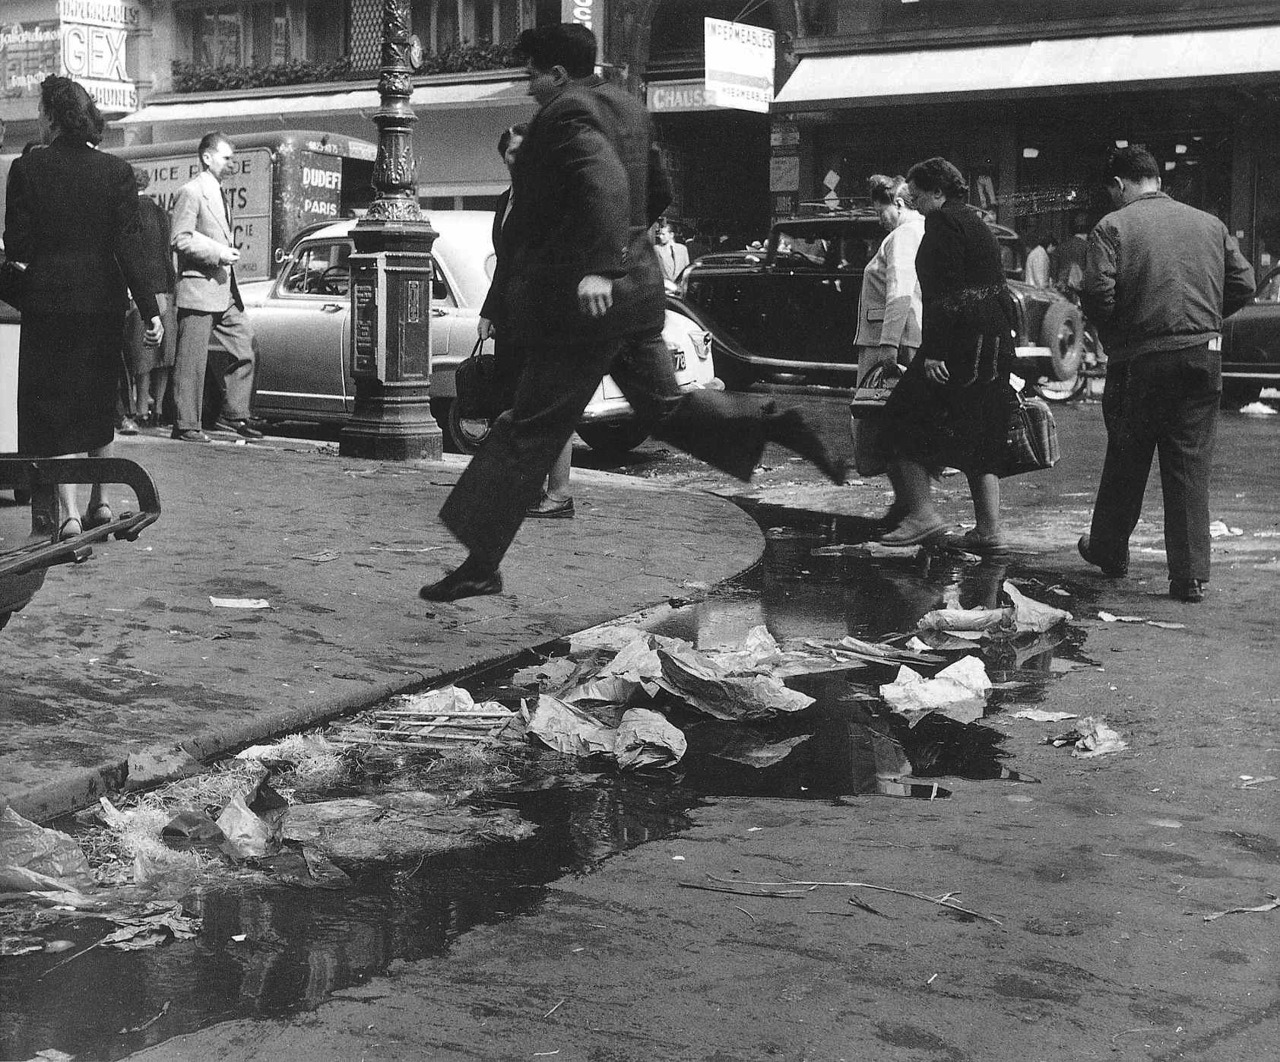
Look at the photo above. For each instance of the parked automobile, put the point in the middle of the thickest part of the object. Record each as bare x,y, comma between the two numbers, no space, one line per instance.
1250,345
301,322
791,315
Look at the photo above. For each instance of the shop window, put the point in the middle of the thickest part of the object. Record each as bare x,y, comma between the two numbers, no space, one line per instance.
240,34
440,23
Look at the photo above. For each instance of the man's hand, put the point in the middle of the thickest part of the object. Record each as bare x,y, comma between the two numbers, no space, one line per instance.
936,370
228,256
887,354
595,295
154,333
485,329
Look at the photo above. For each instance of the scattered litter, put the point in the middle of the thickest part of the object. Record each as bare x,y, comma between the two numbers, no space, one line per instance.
148,767
1218,529
1111,617
1258,409
1091,737
405,549
646,739
438,719
33,858
240,938
865,549
1165,824
1261,909
959,692
708,688
1249,782
1039,715
1270,566
159,923
570,730
1022,616
750,747
677,859
1166,626
323,557
239,602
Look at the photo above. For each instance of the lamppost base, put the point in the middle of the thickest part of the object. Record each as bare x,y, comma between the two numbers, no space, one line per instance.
392,422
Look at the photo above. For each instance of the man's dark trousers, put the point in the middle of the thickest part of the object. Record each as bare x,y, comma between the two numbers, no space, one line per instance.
1164,401
488,505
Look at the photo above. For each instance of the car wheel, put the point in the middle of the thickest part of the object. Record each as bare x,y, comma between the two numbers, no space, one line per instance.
466,434
613,438
1237,393
1052,390
1062,331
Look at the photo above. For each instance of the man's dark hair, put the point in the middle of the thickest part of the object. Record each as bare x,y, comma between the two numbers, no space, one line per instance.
565,44
1131,164
938,175
210,142
508,134
71,109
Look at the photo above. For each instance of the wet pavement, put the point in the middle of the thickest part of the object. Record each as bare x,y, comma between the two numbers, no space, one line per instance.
302,946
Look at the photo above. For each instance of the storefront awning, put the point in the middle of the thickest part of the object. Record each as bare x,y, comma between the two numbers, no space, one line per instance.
1123,62
427,97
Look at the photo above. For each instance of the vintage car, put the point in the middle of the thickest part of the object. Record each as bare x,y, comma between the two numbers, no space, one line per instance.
302,327
1251,345
791,315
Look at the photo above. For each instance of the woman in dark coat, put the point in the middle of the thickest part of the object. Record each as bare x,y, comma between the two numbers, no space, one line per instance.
953,405
72,215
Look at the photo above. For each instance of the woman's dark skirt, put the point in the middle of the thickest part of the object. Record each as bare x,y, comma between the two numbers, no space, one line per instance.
69,368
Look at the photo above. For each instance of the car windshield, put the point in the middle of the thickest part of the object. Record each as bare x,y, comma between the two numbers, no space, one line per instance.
842,245
1270,290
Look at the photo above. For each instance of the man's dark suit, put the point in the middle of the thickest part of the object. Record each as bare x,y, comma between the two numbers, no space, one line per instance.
583,203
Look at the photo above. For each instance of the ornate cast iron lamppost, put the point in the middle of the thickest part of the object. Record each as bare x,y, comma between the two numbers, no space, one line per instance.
391,276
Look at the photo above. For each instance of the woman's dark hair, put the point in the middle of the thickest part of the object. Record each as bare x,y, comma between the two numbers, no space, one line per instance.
504,141
69,107
884,190
1131,164
565,44
938,175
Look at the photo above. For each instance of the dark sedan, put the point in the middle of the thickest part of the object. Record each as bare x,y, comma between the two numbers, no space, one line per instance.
790,313
1251,345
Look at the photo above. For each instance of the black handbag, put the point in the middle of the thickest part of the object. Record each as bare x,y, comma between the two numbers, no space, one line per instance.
1032,442
13,283
476,383
874,389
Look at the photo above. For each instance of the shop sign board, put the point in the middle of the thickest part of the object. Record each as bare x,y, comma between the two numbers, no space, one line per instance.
784,173
246,189
673,97
739,65
29,52
94,36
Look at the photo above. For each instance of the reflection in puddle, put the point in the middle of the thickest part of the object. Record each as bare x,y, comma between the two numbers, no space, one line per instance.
302,946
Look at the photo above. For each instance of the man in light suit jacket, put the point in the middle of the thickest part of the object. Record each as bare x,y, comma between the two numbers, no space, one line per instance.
208,299
673,256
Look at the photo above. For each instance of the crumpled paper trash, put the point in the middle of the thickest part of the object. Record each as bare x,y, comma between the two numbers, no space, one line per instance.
570,730
1090,737
34,858
646,739
706,687
959,692
1022,616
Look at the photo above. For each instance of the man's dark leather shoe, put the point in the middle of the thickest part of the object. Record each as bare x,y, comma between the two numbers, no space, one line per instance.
1115,569
1188,590
462,582
240,427
790,429
549,508
190,435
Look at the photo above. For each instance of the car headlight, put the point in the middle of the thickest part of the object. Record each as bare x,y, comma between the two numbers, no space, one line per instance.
702,342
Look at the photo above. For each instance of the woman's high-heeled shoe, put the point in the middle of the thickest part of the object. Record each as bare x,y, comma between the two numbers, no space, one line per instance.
70,528
98,516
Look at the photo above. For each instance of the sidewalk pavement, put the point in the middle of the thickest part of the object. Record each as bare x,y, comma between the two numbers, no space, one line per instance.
124,656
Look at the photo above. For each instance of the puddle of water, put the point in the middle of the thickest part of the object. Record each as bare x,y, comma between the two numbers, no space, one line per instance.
301,946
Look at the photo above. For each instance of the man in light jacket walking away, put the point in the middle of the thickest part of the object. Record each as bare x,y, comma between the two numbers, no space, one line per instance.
1159,277
209,299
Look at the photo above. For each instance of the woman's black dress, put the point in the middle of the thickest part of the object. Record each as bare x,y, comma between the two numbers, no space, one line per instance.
968,323
71,213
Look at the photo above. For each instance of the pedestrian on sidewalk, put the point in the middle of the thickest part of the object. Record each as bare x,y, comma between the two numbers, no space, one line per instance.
150,365
889,311
209,300
1159,277
583,287
71,214
556,501
954,402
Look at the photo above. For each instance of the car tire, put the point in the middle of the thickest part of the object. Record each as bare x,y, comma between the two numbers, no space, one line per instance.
1062,331
613,438
1237,393
466,436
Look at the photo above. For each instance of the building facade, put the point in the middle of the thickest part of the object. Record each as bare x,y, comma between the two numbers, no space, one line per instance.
1028,96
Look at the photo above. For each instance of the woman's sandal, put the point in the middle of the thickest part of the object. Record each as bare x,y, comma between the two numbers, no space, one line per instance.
70,529
99,516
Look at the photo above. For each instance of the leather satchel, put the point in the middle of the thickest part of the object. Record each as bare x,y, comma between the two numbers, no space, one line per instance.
1032,442
476,384
13,283
874,389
